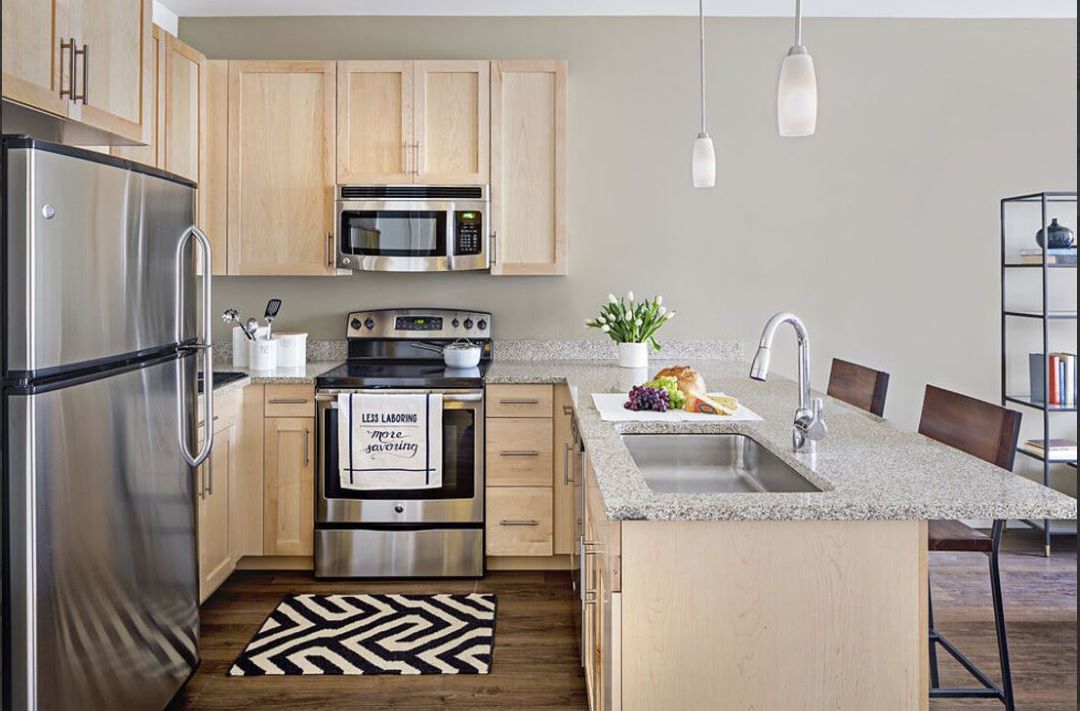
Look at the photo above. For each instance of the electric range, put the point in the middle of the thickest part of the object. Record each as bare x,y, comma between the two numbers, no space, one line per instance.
405,532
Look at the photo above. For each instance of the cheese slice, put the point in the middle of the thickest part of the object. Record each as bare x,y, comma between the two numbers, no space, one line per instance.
719,404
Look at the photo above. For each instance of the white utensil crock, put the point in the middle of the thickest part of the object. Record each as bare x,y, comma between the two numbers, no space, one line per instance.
263,354
292,349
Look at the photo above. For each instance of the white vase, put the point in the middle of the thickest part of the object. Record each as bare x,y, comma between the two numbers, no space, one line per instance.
634,355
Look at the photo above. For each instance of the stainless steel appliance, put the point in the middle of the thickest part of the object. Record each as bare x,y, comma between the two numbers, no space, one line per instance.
100,344
405,533
412,228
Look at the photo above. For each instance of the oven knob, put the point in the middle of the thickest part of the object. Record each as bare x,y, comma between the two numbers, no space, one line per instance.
481,324
468,323
355,323
455,323
398,508
370,323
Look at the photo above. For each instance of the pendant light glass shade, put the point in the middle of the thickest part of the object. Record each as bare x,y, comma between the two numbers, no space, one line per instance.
796,97
704,162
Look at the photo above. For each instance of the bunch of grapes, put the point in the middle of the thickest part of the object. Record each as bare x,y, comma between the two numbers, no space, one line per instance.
645,398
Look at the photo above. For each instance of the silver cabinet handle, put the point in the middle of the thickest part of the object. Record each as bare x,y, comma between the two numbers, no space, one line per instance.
416,158
288,400
210,476
567,410
520,401
527,522
206,347
330,250
566,479
307,436
203,422
70,47
520,453
85,52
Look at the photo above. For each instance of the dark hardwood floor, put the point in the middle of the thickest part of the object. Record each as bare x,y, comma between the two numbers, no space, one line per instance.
535,658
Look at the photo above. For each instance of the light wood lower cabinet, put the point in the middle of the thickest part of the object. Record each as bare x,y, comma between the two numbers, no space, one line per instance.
565,521
519,521
216,495
289,481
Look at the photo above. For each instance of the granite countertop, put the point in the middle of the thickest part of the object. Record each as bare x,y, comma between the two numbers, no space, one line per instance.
278,376
867,467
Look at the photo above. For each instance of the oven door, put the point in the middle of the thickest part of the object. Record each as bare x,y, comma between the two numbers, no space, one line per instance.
460,498
411,235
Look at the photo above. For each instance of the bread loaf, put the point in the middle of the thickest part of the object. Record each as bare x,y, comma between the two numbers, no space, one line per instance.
689,379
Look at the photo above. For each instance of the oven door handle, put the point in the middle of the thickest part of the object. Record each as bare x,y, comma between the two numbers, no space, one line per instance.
331,395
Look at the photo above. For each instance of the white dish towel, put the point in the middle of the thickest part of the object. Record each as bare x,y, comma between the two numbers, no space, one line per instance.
390,441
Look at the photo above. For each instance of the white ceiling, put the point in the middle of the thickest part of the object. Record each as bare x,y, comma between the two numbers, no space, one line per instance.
719,8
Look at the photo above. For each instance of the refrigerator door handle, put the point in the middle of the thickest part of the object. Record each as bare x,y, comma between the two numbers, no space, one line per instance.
205,346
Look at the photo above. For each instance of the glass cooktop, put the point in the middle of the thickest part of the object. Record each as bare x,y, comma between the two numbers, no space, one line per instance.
361,374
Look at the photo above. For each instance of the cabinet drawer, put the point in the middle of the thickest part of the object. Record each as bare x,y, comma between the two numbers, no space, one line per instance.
519,521
226,409
290,400
519,451
519,401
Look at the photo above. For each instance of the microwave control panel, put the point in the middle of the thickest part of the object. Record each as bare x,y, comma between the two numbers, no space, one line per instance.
468,232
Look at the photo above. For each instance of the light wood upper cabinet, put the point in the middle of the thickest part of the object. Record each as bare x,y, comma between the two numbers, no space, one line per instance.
185,109
32,66
113,67
213,214
451,122
374,122
281,167
528,167
151,153
289,479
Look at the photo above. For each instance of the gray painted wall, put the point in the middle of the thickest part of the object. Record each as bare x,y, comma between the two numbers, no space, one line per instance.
881,231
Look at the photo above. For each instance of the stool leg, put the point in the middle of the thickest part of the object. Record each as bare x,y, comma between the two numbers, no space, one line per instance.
935,682
999,619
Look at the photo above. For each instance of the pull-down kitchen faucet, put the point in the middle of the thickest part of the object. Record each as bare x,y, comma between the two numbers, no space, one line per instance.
809,425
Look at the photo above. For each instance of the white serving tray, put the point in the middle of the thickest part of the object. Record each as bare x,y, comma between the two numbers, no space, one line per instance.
611,409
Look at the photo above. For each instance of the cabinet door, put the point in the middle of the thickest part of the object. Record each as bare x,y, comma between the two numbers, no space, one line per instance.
565,522
151,153
528,167
213,215
451,121
33,68
113,76
185,109
281,167
375,122
215,552
289,477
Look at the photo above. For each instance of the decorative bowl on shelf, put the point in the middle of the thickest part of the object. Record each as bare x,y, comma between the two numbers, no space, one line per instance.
1060,236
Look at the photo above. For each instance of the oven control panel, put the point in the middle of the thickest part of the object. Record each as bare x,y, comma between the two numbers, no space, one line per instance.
418,323
468,232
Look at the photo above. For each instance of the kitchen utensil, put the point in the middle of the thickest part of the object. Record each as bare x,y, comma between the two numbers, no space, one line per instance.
233,316
251,327
1061,237
272,308
459,354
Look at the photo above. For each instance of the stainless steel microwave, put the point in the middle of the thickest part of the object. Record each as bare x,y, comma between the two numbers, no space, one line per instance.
412,228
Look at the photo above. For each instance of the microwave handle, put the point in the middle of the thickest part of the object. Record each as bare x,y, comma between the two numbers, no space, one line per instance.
494,246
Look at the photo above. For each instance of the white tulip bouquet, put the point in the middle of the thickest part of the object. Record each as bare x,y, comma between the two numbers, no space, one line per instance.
627,321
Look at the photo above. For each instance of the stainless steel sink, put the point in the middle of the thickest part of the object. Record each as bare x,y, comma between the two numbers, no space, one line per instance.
711,464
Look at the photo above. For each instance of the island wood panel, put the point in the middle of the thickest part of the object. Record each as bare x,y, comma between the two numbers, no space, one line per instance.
774,615
185,109
214,187
518,452
116,66
151,153
528,167
565,524
451,122
33,69
280,198
289,491
375,122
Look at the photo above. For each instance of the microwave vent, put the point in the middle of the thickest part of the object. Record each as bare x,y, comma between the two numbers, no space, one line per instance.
412,192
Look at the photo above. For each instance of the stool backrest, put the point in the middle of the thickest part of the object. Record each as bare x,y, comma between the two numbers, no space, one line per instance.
858,385
982,429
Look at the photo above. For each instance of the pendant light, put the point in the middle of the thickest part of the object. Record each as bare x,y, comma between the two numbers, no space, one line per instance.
703,167
796,97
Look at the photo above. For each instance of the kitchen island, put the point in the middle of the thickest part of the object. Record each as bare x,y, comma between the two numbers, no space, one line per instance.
766,600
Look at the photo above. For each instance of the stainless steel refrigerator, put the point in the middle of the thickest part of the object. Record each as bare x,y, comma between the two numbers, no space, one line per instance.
100,343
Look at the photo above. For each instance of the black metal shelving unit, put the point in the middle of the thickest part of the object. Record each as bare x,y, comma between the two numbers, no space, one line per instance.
1046,316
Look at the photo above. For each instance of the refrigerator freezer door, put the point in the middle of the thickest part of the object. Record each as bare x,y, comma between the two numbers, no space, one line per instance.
92,271
103,607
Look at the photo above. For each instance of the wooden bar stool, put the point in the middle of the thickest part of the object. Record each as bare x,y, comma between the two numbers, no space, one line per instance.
989,432
858,385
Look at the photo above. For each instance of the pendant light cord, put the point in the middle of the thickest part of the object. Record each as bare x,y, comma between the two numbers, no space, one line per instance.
798,23
701,23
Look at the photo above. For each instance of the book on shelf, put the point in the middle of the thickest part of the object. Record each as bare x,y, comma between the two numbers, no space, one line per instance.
1051,258
1060,371
1063,450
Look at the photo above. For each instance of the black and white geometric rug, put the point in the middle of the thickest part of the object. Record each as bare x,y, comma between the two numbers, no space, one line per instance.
373,634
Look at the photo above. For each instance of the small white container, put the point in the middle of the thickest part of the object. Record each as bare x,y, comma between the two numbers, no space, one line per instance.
634,355
240,357
292,349
263,354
